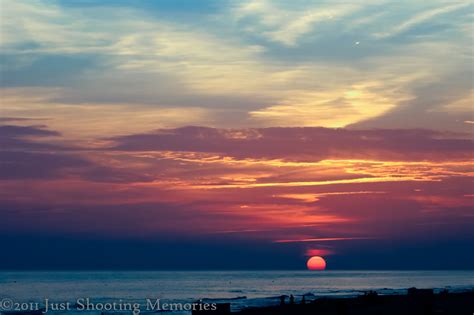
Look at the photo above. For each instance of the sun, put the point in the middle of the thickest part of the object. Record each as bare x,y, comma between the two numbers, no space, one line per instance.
316,263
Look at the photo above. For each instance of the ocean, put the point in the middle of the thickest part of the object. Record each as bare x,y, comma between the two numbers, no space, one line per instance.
240,288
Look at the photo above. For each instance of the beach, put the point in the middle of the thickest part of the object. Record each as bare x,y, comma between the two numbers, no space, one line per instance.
372,304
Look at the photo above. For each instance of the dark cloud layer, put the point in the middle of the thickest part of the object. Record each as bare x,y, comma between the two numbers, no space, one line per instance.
305,143
26,138
21,131
22,165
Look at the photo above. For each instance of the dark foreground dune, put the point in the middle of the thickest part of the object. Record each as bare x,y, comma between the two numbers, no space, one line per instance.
419,302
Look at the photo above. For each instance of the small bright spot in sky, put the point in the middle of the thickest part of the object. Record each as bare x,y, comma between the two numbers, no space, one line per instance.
357,43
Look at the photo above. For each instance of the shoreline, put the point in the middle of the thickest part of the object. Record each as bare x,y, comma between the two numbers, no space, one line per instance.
415,302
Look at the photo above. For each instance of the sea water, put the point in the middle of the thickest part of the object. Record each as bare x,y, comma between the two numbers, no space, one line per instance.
240,288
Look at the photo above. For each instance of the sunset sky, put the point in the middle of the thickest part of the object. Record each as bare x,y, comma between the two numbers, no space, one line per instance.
243,134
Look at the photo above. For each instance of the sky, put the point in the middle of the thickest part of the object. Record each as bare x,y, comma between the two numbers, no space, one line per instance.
236,134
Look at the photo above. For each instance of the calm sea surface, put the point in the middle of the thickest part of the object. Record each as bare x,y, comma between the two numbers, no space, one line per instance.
241,288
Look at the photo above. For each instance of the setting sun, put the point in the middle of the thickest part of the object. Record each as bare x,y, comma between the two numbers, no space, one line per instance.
316,263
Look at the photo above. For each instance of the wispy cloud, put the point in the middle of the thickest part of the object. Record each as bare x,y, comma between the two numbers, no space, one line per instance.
323,239
287,25
255,63
423,16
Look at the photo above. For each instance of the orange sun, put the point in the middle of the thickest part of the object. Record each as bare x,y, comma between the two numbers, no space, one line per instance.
316,263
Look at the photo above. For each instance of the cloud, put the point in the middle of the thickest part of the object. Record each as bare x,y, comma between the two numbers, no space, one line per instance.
24,165
438,104
15,119
287,25
29,153
86,121
304,144
12,131
323,239
14,137
304,65
26,153
297,185
336,108
422,17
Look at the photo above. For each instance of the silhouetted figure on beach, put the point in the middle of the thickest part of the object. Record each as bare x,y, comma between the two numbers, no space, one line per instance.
282,300
292,299
303,300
